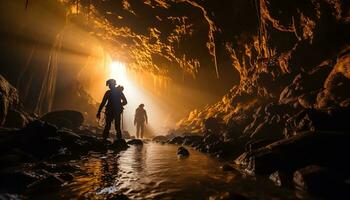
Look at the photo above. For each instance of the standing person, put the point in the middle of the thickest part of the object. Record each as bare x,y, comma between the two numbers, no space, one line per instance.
115,100
140,120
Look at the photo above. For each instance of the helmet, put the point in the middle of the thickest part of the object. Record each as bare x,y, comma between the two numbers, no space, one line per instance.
111,82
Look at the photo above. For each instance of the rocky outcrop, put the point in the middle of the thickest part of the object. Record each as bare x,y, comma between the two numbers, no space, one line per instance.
8,98
64,118
291,107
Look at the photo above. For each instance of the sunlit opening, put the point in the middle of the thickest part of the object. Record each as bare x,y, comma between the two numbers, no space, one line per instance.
118,72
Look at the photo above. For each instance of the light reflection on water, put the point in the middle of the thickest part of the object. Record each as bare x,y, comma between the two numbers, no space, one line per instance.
155,172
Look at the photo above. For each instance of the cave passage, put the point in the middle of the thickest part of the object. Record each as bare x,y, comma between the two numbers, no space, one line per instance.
237,99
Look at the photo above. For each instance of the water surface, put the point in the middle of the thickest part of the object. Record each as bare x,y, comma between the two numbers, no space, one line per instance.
155,172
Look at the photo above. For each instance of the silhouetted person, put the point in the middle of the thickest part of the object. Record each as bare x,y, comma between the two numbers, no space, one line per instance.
115,100
140,120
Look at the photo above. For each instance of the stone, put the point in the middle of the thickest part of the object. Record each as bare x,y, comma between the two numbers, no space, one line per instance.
135,142
298,151
9,98
160,138
68,136
228,196
176,140
64,118
281,178
46,184
193,140
227,168
15,119
318,180
119,145
182,152
117,197
17,181
39,129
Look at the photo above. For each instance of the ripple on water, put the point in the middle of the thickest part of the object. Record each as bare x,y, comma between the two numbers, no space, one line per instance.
154,171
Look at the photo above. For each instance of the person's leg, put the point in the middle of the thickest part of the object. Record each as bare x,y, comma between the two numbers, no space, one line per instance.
117,126
142,129
109,119
137,130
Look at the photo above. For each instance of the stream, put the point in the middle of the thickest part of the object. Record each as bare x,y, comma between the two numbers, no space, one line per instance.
153,171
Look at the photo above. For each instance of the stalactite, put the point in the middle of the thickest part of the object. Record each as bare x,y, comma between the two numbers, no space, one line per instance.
27,3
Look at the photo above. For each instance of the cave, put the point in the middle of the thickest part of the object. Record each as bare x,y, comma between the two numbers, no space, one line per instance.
174,99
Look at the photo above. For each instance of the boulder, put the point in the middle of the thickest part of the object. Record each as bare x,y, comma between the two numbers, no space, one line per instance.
319,180
39,129
182,152
176,140
327,148
135,142
15,119
119,145
281,178
68,137
8,98
46,184
193,140
17,181
64,118
160,138
227,168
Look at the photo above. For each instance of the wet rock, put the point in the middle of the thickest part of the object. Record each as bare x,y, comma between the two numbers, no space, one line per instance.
11,197
64,118
15,119
318,120
256,144
319,181
119,145
192,140
68,137
227,168
135,142
117,197
39,129
160,138
176,140
8,160
8,98
281,178
57,168
182,152
66,176
214,124
17,181
229,196
46,184
317,147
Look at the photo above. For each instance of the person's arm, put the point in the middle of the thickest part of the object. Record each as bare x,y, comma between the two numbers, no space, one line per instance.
146,117
103,103
124,101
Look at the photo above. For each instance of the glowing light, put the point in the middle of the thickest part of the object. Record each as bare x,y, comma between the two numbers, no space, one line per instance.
118,72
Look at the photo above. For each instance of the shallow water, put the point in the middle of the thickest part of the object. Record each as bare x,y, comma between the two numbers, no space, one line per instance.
155,172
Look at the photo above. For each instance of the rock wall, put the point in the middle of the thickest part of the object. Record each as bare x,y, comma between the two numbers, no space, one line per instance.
8,98
294,74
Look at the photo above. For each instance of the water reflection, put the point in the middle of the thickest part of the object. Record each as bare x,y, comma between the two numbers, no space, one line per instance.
154,172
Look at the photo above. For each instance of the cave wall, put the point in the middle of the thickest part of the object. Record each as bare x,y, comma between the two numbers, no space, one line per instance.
293,74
